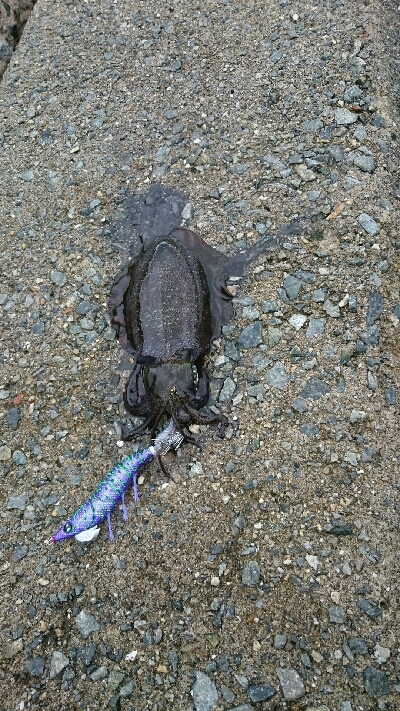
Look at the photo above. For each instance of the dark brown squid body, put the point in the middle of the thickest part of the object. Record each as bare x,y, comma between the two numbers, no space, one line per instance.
168,304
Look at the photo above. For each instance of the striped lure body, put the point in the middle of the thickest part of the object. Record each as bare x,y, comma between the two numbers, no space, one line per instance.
114,485
107,496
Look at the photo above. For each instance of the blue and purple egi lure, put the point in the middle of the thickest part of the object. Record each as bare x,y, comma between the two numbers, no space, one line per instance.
114,485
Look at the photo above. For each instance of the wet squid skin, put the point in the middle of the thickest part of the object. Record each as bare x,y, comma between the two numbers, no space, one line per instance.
168,304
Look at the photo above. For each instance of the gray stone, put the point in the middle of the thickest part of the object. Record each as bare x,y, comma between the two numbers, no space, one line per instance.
257,391
351,458
260,692
375,682
5,51
205,694
344,117
352,93
269,306
291,683
331,309
390,396
227,391
251,336
337,152
58,278
297,321
276,377
375,307
13,417
58,663
319,295
127,689
84,307
351,182
35,666
356,64
38,328
312,125
309,429
292,286
162,153
357,416
368,224
227,694
239,168
87,654
280,641
115,678
352,305
243,300
27,176
337,614
371,336
365,163
251,574
373,611
274,336
315,389
19,501
381,654
19,553
315,327
338,529
368,454
86,624
109,334
19,457
358,645
99,673
346,706
242,707
251,313
299,405
276,56
386,204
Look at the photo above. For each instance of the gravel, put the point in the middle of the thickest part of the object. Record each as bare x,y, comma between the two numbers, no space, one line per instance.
263,571
205,694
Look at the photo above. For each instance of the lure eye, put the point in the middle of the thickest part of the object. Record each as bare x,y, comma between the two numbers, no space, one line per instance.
67,528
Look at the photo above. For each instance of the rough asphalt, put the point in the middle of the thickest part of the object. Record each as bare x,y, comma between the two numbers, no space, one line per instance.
265,574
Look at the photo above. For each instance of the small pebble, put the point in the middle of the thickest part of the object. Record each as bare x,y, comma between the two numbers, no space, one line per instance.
58,663
291,684
86,624
365,163
205,694
276,377
337,614
251,336
344,117
368,224
260,692
251,574
375,682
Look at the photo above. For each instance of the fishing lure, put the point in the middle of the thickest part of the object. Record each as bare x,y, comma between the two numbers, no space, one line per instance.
113,487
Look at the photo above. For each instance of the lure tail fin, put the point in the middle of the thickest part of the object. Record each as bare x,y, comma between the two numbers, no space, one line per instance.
109,527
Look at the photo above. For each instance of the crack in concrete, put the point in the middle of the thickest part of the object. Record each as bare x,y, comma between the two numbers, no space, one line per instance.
13,18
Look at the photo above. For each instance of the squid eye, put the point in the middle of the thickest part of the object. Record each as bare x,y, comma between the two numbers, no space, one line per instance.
67,528
195,376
